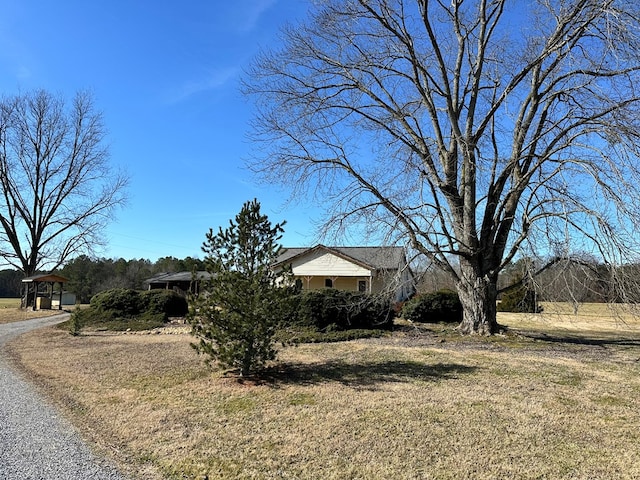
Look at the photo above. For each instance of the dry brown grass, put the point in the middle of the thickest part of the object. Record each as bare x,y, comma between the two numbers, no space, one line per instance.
552,400
10,311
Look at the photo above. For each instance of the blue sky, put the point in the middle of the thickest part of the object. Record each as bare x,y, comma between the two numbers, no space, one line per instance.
166,77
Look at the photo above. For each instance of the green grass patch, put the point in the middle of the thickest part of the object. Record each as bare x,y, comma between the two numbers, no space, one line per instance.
568,379
611,401
9,303
237,405
300,398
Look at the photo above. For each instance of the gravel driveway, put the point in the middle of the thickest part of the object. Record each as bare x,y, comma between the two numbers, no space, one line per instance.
35,442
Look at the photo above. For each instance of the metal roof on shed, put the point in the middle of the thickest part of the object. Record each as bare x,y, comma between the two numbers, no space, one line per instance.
46,277
178,277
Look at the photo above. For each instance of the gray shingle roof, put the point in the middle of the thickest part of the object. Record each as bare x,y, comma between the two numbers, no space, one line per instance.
379,258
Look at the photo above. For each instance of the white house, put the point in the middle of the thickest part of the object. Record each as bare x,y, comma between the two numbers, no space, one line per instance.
358,269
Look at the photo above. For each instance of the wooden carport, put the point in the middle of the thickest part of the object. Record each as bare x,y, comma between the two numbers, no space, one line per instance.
32,284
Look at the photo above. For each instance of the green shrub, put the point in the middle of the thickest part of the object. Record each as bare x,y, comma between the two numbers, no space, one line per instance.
519,299
435,307
76,322
167,302
107,320
126,309
330,309
119,301
123,302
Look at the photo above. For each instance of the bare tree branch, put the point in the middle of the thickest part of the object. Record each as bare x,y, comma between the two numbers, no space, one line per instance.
58,189
467,137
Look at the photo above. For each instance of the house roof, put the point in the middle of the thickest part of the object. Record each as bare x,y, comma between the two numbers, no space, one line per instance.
378,258
178,277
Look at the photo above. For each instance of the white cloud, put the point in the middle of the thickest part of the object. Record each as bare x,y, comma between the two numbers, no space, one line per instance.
252,10
23,72
214,80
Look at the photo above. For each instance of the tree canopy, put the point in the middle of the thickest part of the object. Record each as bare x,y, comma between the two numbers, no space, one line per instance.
475,131
58,189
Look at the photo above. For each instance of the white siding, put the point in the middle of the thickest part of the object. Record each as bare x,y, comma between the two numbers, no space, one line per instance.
327,264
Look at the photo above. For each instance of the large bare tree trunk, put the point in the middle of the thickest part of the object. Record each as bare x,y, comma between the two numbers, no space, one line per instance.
439,124
478,294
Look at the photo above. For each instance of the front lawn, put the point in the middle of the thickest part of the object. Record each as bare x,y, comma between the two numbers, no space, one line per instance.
554,398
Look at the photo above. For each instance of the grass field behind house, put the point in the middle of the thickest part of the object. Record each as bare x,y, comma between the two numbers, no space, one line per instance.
10,311
557,397
9,303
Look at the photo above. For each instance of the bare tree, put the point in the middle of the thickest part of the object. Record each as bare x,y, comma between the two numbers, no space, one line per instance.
472,129
58,189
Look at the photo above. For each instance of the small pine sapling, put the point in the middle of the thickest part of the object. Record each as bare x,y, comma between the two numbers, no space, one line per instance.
239,310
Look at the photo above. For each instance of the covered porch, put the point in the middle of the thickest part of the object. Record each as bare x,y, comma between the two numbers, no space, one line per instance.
358,283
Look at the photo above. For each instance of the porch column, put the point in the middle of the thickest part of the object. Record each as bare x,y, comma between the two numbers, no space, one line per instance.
60,303
35,294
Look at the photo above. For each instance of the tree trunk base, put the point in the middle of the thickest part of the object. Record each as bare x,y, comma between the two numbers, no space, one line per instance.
478,297
486,330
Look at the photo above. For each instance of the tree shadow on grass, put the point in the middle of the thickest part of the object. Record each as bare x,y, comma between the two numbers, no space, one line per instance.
604,341
364,374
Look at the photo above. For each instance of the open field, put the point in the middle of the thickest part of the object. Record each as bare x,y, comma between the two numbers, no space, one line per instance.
557,397
9,303
10,311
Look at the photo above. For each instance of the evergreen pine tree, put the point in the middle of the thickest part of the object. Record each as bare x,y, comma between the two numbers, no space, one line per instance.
519,299
240,308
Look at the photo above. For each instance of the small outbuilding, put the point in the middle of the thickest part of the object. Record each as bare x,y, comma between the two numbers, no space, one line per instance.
39,291
181,282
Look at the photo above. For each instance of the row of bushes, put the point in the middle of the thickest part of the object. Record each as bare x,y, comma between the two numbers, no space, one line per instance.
322,310
124,302
331,310
327,310
444,305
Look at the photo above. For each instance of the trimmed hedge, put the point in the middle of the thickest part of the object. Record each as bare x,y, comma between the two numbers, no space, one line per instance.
106,320
336,310
441,306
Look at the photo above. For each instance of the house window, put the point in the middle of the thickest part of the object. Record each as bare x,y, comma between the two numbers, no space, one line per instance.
362,286
328,283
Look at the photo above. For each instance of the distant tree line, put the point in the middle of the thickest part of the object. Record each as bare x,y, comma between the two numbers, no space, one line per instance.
575,280
88,276
10,283
578,279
